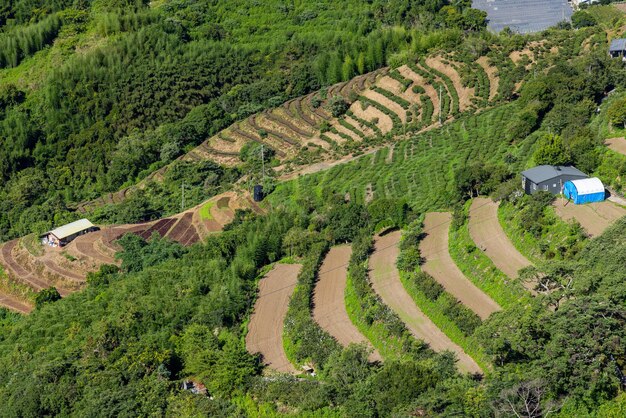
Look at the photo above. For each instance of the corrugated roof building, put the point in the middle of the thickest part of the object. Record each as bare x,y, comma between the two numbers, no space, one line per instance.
617,48
65,234
549,178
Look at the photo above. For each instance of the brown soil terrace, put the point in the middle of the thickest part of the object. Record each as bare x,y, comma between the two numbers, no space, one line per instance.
265,330
386,283
329,309
488,235
439,264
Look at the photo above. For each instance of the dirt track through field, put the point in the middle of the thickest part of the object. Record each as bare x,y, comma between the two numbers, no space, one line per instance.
595,218
617,145
492,74
329,308
439,264
386,283
488,235
265,331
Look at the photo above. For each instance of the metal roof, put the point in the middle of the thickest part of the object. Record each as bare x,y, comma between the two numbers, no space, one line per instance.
588,186
71,228
524,16
618,45
542,173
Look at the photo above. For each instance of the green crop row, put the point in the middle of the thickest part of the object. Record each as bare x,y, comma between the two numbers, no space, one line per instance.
364,122
406,83
304,340
391,96
397,123
349,126
449,85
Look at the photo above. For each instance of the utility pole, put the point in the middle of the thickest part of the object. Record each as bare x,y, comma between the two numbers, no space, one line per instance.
182,200
440,105
263,161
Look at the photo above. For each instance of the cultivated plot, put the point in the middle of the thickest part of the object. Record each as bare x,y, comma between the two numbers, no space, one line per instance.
329,308
617,145
386,283
595,218
439,264
488,235
265,330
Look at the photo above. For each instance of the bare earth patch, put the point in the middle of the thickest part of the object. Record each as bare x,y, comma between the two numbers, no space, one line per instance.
439,264
265,331
488,235
14,304
371,114
595,218
420,81
617,144
329,308
386,283
388,103
465,94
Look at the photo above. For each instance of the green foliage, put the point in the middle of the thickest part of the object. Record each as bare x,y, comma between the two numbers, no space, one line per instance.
617,112
582,19
338,106
46,296
551,151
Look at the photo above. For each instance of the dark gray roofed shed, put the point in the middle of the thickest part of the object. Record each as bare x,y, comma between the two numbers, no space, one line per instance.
618,45
542,173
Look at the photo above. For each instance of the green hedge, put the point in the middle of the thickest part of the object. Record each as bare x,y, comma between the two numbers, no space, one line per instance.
394,98
303,338
406,83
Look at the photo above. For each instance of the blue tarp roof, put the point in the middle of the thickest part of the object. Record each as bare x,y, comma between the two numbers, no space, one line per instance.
524,16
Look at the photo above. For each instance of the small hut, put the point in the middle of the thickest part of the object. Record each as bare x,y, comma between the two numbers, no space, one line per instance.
63,235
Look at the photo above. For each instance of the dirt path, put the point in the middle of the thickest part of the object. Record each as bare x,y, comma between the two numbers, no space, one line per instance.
386,283
488,235
14,304
439,264
617,145
265,330
329,308
492,74
595,218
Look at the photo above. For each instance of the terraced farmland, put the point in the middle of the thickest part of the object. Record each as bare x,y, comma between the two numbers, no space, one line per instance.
595,218
421,168
439,264
35,267
386,282
265,329
329,309
489,237
407,99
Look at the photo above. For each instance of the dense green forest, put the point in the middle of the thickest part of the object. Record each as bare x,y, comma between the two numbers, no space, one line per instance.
95,95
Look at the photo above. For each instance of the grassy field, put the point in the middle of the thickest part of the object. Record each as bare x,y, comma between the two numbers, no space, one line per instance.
205,211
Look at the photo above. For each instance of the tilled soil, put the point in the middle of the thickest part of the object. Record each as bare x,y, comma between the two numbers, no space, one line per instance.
488,235
617,145
329,308
595,218
265,330
386,283
439,264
